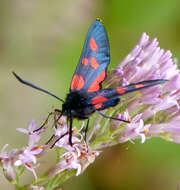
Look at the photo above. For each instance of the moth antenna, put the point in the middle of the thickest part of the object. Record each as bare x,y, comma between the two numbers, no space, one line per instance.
36,87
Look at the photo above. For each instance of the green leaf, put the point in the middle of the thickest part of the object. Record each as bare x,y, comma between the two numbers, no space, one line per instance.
58,179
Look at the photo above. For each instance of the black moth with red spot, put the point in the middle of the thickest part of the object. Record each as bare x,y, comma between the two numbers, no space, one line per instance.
86,95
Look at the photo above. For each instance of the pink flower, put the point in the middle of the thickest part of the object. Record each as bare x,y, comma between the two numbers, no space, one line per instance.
158,105
135,129
27,157
6,161
33,137
78,158
62,133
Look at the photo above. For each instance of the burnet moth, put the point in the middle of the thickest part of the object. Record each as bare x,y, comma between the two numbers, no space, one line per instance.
86,95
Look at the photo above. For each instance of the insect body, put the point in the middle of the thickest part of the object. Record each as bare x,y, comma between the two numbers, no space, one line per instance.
86,95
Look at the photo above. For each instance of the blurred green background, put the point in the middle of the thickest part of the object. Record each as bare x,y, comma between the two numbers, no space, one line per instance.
42,40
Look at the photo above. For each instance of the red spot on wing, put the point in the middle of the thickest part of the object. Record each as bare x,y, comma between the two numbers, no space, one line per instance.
93,45
98,106
84,61
139,85
74,82
121,90
94,63
81,83
98,99
95,84
77,82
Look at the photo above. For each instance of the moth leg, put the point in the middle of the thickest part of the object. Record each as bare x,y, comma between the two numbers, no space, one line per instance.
126,121
47,119
45,122
70,132
50,139
86,130
56,112
55,121
85,134
58,139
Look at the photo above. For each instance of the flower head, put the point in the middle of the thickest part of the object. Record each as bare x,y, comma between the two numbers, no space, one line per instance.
157,105
133,130
61,133
154,109
6,161
27,157
78,158
33,135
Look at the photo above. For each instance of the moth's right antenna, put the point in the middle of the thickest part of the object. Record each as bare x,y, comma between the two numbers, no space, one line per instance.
36,87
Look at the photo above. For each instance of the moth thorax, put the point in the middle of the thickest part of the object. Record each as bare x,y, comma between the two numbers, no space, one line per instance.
75,100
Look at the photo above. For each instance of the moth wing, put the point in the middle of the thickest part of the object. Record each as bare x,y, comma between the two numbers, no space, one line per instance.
91,69
110,97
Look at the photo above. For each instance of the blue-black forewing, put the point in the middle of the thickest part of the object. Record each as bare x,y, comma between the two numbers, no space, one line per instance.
95,57
110,97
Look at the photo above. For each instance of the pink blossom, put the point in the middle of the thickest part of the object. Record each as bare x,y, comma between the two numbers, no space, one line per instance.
78,158
6,161
159,105
62,133
135,129
27,157
33,137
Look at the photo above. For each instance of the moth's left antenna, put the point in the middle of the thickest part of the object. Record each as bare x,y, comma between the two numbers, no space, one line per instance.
36,87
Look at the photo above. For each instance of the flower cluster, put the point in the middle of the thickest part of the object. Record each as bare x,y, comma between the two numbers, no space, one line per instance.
152,112
77,157
159,105
26,157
